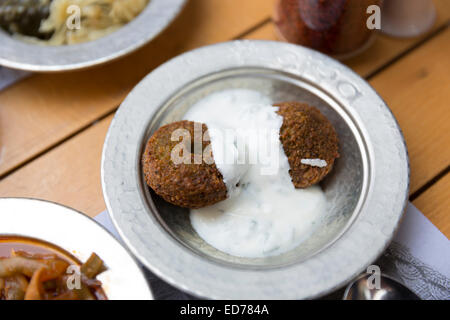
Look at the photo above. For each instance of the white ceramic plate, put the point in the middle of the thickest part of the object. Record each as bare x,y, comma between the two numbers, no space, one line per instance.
79,235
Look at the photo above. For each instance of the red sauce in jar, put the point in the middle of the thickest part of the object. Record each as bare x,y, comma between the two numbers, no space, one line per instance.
334,27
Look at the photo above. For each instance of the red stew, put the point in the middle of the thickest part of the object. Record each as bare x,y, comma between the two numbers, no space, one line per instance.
335,27
34,270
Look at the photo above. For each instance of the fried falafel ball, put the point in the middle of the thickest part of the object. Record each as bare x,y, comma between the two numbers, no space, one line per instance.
190,185
307,134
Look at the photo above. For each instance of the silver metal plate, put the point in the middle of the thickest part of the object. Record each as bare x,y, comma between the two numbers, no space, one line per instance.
155,17
366,191
80,236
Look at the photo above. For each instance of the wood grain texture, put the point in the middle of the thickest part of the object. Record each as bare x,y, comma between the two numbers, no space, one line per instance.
387,48
44,109
417,89
435,204
68,174
383,50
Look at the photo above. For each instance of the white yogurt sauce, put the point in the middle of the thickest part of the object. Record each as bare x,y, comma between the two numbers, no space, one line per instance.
314,162
264,214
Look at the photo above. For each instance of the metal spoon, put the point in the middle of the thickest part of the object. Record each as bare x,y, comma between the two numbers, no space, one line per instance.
390,289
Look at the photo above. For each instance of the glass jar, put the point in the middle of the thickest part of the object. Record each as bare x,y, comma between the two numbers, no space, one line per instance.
407,18
335,27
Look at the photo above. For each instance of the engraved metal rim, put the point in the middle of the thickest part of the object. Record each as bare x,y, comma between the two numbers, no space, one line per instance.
362,243
152,20
306,85
79,235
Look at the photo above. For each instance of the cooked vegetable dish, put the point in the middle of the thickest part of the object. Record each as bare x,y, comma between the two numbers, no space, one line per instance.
61,22
41,274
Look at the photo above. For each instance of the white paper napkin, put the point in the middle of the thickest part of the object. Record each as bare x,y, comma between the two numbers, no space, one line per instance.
419,257
10,76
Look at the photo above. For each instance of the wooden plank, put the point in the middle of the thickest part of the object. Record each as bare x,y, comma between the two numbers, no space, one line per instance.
383,50
417,89
435,204
84,191
44,109
69,174
386,48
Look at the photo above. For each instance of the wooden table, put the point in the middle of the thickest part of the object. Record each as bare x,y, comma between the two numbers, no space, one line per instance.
52,126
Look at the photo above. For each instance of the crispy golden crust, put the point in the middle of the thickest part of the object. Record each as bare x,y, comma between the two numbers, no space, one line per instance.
307,134
186,185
